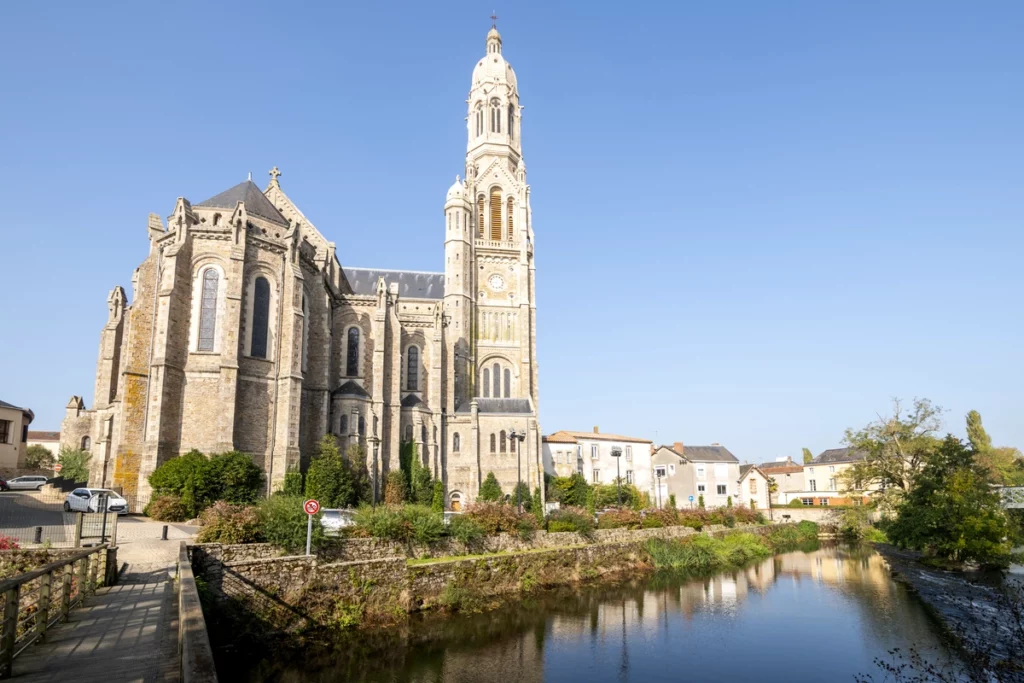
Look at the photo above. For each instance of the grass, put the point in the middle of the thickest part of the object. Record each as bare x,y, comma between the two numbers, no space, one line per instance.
457,558
705,554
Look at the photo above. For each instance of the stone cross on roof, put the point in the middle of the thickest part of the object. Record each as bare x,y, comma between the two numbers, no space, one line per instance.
275,173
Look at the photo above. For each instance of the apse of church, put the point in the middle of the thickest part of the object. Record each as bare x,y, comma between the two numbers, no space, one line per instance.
245,333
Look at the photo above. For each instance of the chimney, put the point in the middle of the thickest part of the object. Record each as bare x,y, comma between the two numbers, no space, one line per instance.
595,429
716,444
678,447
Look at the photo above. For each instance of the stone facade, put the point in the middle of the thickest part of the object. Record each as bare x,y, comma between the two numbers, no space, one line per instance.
245,333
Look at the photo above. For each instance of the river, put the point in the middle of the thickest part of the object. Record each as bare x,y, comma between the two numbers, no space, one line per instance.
821,615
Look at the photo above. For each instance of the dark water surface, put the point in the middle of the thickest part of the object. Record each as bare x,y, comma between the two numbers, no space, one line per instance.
803,616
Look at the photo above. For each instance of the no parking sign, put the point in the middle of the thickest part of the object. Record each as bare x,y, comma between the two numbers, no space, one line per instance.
311,507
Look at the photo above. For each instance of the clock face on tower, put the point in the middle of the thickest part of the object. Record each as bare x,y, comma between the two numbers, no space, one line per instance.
496,282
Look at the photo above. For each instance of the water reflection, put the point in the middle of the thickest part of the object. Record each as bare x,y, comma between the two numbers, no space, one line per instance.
820,615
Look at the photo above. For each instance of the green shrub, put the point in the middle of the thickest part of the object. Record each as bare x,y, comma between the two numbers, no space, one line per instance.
706,554
39,458
522,490
328,479
166,509
395,490
495,518
807,530
660,517
490,490
283,523
292,484
619,519
728,502
74,464
572,490
465,530
426,525
226,523
672,500
651,522
437,501
789,536
236,478
198,481
700,501
571,518
796,503
401,523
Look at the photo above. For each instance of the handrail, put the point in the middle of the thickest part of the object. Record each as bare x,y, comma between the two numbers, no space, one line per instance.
8,584
195,654
58,587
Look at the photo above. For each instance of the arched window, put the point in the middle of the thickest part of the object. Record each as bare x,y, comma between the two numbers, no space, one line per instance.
408,432
343,426
362,426
260,318
508,382
493,449
480,216
208,310
479,119
503,440
423,433
495,213
495,116
86,443
216,219
511,122
352,360
496,371
511,227
412,378
487,383
456,442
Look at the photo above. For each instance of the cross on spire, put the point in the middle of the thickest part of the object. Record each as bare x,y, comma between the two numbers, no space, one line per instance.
274,174
494,19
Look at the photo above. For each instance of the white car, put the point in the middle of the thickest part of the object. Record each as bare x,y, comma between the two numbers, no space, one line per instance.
88,500
333,520
27,483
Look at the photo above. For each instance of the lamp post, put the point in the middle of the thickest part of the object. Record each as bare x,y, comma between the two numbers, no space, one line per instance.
515,436
657,473
373,496
617,454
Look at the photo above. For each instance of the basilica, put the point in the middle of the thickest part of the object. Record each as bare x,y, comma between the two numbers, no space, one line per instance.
245,333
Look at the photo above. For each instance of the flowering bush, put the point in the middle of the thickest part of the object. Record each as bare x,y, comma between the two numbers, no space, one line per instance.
401,523
619,519
8,543
495,518
571,518
226,523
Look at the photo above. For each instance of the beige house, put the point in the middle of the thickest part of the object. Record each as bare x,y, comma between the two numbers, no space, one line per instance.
711,472
753,491
48,440
788,476
591,454
14,422
824,483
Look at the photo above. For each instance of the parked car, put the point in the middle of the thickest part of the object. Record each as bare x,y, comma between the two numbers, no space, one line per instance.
4,486
27,482
333,520
88,500
448,516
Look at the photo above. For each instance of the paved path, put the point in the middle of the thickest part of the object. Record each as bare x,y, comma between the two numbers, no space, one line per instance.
128,632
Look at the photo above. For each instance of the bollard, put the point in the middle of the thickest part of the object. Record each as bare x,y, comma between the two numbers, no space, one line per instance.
163,534
39,534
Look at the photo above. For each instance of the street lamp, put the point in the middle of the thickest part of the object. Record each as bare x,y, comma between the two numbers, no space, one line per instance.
520,437
617,454
657,473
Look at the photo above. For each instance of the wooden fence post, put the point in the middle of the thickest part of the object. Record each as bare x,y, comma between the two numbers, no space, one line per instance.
8,631
83,568
78,529
65,593
43,605
94,561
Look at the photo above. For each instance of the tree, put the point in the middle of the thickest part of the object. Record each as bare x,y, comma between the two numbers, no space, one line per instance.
895,448
234,478
572,490
1004,465
199,481
437,502
328,479
981,442
522,489
355,457
951,512
490,490
808,456
39,458
773,488
74,464
700,501
395,491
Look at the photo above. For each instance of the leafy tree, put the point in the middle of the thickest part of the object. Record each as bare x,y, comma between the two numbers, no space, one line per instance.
39,458
292,484
329,479
490,490
981,442
1003,466
538,506
951,512
728,502
808,456
895,448
235,478
773,488
571,490
198,481
74,464
700,501
523,491
671,500
395,490
355,458
421,486
437,502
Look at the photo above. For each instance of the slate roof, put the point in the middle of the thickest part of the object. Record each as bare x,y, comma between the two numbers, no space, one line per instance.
252,196
786,466
411,283
43,436
411,401
31,415
350,388
708,454
564,436
835,456
514,406
745,469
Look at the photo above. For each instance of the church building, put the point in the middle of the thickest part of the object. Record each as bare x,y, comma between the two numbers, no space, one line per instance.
245,333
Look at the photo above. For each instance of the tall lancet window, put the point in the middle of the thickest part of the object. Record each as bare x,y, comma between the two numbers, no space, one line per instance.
508,382
495,213
487,383
511,123
479,119
208,310
413,371
496,371
260,318
352,359
480,216
511,226
495,116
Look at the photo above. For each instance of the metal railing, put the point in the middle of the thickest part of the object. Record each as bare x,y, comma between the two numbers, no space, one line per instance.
39,599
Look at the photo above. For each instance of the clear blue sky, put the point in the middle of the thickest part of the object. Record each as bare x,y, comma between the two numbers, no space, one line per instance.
755,222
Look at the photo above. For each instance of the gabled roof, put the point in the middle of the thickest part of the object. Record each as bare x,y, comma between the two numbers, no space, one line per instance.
411,401
413,284
43,436
249,194
11,406
350,388
703,453
835,456
747,469
786,466
564,436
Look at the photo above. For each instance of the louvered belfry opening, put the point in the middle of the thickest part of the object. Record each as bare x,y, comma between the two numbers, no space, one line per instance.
496,213
480,216
511,227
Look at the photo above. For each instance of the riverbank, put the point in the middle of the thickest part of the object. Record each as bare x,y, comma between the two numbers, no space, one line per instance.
980,611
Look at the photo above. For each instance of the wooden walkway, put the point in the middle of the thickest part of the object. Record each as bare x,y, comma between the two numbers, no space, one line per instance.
127,632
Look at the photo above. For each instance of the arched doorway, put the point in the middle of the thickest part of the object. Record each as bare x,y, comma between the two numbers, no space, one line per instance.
455,501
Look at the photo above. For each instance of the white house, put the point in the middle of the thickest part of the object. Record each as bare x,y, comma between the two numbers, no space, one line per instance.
590,454
708,472
753,491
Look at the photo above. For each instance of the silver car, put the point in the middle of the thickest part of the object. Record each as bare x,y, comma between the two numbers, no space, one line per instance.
334,520
27,482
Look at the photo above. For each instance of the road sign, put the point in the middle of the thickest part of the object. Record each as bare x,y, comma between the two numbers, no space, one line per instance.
691,499
57,468
311,507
